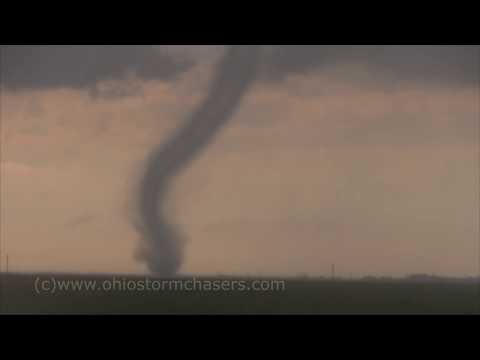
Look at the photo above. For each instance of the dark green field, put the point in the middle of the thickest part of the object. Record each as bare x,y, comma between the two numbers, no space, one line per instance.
300,296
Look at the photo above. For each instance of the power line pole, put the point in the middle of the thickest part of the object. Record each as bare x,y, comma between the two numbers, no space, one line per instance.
1,138
5,287
1,283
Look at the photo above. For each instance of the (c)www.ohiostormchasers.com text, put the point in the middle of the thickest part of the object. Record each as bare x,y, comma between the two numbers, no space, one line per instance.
52,285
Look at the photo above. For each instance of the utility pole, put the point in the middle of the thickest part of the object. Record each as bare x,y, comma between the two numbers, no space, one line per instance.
1,230
1,283
5,287
333,271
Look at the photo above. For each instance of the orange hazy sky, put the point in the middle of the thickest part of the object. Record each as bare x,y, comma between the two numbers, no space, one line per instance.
319,167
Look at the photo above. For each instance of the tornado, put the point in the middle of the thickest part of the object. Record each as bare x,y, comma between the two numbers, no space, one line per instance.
162,246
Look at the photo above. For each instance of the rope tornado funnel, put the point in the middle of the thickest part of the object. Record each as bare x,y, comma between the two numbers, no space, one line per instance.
162,247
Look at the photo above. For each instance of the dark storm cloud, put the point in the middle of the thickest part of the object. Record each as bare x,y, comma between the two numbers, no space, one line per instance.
438,64
83,66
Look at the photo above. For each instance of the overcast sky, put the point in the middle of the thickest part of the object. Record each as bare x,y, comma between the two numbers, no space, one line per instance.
362,156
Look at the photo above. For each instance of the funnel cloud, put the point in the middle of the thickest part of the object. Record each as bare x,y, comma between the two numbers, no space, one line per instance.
162,247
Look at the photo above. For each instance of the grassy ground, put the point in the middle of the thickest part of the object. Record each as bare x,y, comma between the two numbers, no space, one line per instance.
19,295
